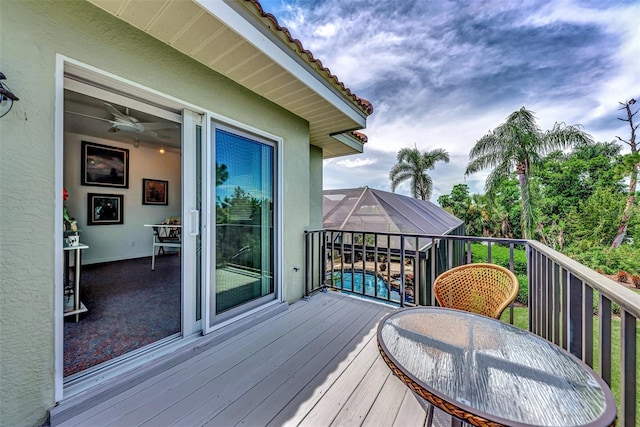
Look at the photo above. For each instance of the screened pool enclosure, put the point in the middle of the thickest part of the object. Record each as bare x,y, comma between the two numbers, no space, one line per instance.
372,232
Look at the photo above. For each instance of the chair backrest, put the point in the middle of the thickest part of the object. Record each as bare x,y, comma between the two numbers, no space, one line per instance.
485,289
168,234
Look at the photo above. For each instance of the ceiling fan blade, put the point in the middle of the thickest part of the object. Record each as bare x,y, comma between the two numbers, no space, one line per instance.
158,126
116,113
88,116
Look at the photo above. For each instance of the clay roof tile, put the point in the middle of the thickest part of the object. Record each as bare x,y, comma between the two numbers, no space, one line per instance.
362,103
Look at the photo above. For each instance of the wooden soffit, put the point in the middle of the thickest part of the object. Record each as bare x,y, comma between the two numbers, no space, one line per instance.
236,39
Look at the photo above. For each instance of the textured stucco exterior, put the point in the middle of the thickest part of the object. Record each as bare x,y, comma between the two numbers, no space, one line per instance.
315,188
32,33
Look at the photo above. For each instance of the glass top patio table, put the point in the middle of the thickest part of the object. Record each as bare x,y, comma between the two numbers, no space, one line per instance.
488,372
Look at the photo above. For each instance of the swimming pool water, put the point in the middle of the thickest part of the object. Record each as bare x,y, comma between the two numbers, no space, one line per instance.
370,280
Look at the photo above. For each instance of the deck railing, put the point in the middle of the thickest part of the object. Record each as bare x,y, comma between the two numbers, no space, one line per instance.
565,298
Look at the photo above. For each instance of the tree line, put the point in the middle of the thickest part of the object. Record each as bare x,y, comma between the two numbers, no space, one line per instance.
557,186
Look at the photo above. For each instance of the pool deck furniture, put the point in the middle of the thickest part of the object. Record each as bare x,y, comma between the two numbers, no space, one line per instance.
390,269
480,288
488,373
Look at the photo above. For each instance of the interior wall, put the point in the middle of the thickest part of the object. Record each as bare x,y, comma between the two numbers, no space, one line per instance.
130,239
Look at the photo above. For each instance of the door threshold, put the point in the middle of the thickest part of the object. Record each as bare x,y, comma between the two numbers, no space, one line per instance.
95,375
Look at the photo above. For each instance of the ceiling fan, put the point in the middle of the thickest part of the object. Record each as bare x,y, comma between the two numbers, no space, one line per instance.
129,123
125,122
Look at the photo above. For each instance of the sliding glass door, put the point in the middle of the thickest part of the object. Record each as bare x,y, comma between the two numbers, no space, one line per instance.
243,236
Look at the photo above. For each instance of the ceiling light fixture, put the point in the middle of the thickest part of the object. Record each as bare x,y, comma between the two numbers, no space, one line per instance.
161,149
136,142
6,97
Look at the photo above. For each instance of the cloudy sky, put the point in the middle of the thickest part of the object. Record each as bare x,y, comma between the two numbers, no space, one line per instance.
441,74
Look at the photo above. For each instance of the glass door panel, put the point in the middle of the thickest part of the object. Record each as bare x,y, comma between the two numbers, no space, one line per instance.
244,218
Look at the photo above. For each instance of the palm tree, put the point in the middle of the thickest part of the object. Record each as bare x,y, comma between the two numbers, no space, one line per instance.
519,144
222,174
412,165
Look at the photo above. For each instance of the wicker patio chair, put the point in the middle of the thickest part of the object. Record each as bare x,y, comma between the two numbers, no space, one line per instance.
485,289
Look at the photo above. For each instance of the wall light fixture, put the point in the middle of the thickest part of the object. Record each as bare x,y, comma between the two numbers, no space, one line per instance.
6,97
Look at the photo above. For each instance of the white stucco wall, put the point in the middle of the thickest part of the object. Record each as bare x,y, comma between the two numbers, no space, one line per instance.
32,33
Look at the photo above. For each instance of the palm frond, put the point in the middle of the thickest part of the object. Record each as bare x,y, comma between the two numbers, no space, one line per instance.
482,162
400,168
486,145
501,172
399,177
429,158
563,136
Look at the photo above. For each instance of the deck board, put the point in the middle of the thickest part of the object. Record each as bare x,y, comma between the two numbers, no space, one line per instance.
356,408
327,408
387,404
237,399
149,390
247,349
208,392
265,399
410,412
315,364
321,384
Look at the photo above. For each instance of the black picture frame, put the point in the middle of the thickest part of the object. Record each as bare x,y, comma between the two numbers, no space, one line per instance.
104,166
105,209
155,192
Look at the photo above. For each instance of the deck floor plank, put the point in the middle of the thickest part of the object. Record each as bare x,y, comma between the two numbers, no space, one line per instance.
359,404
260,404
387,404
305,400
315,364
411,413
219,384
327,408
233,404
306,386
140,402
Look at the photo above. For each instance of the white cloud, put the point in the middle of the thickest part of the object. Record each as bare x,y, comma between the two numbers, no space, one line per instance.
326,30
441,75
355,163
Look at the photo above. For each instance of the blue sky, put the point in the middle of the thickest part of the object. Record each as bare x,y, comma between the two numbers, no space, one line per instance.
441,74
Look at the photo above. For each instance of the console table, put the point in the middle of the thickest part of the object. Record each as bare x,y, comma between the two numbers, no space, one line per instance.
72,304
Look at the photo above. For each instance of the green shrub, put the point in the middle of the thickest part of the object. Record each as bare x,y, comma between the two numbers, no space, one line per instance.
500,255
608,260
523,290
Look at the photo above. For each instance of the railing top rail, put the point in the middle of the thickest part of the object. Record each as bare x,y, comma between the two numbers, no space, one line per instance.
626,298
425,236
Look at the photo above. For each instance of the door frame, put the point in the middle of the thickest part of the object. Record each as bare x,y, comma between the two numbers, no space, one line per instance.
191,115
148,97
209,322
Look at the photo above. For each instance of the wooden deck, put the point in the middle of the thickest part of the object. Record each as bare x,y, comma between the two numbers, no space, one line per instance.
315,364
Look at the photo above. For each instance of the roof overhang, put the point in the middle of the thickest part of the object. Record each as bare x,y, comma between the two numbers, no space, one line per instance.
238,40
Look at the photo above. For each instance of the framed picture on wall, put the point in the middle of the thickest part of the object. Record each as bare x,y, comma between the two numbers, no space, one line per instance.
105,209
155,192
104,166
